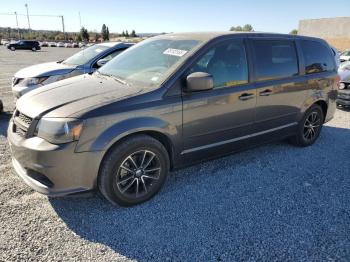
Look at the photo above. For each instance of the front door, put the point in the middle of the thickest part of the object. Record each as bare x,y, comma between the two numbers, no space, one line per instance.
225,114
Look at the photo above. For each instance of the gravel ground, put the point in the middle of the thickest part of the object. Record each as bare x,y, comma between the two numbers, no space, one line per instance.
275,202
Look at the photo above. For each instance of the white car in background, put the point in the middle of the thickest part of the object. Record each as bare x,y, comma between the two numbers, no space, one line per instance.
68,45
4,41
86,61
60,44
345,56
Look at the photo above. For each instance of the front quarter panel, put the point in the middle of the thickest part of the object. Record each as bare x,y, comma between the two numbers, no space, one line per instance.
163,116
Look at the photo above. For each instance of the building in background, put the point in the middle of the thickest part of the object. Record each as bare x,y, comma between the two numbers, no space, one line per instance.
335,31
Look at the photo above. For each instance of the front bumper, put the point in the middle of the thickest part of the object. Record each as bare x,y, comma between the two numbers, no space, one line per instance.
343,97
54,170
19,91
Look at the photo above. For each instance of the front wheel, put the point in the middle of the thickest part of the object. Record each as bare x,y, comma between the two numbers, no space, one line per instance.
13,48
309,127
34,49
134,171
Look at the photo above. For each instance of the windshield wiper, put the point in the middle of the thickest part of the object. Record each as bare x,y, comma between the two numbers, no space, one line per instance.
114,77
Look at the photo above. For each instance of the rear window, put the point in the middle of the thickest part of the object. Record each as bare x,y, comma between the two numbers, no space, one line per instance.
317,56
274,59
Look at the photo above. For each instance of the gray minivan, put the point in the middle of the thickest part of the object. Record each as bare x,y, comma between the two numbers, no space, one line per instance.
168,102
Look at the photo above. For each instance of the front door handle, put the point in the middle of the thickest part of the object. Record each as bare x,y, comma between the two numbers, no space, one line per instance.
266,92
246,96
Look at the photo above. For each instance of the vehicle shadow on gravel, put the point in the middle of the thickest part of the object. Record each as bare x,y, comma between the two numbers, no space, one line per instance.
275,202
4,122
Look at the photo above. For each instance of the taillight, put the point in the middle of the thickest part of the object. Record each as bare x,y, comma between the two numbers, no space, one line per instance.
337,81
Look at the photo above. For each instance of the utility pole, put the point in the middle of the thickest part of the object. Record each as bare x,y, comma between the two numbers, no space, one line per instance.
26,5
79,21
64,32
19,35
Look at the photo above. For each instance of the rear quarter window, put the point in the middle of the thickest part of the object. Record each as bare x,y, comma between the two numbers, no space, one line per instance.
317,57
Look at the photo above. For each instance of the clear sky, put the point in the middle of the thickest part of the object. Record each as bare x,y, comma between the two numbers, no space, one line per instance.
153,16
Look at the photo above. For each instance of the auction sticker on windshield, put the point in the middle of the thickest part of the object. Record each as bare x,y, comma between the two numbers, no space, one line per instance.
175,52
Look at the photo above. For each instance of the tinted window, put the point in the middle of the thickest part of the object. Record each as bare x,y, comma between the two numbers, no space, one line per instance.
227,64
274,59
317,56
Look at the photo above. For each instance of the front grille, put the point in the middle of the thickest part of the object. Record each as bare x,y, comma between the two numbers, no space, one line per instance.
21,123
25,119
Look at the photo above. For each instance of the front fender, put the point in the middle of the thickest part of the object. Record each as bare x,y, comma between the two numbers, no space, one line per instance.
119,130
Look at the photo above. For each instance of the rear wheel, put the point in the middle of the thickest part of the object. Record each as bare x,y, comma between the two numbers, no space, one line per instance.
134,171
309,127
13,48
33,48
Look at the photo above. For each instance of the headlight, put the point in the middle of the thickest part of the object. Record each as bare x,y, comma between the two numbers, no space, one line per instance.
342,86
45,80
31,81
59,130
55,78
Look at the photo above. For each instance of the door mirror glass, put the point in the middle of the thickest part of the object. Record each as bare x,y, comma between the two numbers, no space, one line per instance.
199,81
102,62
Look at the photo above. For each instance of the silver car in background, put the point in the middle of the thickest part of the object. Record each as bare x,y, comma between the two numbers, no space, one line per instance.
85,61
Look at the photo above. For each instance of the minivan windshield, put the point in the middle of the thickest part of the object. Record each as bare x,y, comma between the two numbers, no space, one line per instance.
85,55
150,62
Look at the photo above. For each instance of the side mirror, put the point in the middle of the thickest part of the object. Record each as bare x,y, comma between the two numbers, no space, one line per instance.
199,81
101,62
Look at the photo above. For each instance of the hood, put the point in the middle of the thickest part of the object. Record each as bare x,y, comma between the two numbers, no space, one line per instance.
73,96
46,69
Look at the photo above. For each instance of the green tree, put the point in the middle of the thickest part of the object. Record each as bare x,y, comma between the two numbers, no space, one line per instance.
104,32
78,38
84,34
245,28
126,33
133,33
107,34
294,32
97,37
123,33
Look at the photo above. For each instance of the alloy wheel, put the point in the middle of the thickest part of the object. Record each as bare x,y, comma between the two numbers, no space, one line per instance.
138,174
312,126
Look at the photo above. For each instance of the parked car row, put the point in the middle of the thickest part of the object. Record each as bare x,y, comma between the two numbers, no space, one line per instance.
63,44
167,102
48,44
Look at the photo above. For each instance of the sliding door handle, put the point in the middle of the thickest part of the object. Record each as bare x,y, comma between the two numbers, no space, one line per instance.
246,96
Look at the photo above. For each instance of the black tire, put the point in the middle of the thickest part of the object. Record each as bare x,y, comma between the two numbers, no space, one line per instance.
304,137
112,176
33,48
13,48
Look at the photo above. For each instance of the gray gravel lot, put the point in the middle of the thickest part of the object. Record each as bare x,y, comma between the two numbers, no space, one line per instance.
276,202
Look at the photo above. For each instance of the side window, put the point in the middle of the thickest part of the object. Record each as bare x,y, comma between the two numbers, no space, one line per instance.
108,57
227,64
317,57
114,54
274,59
